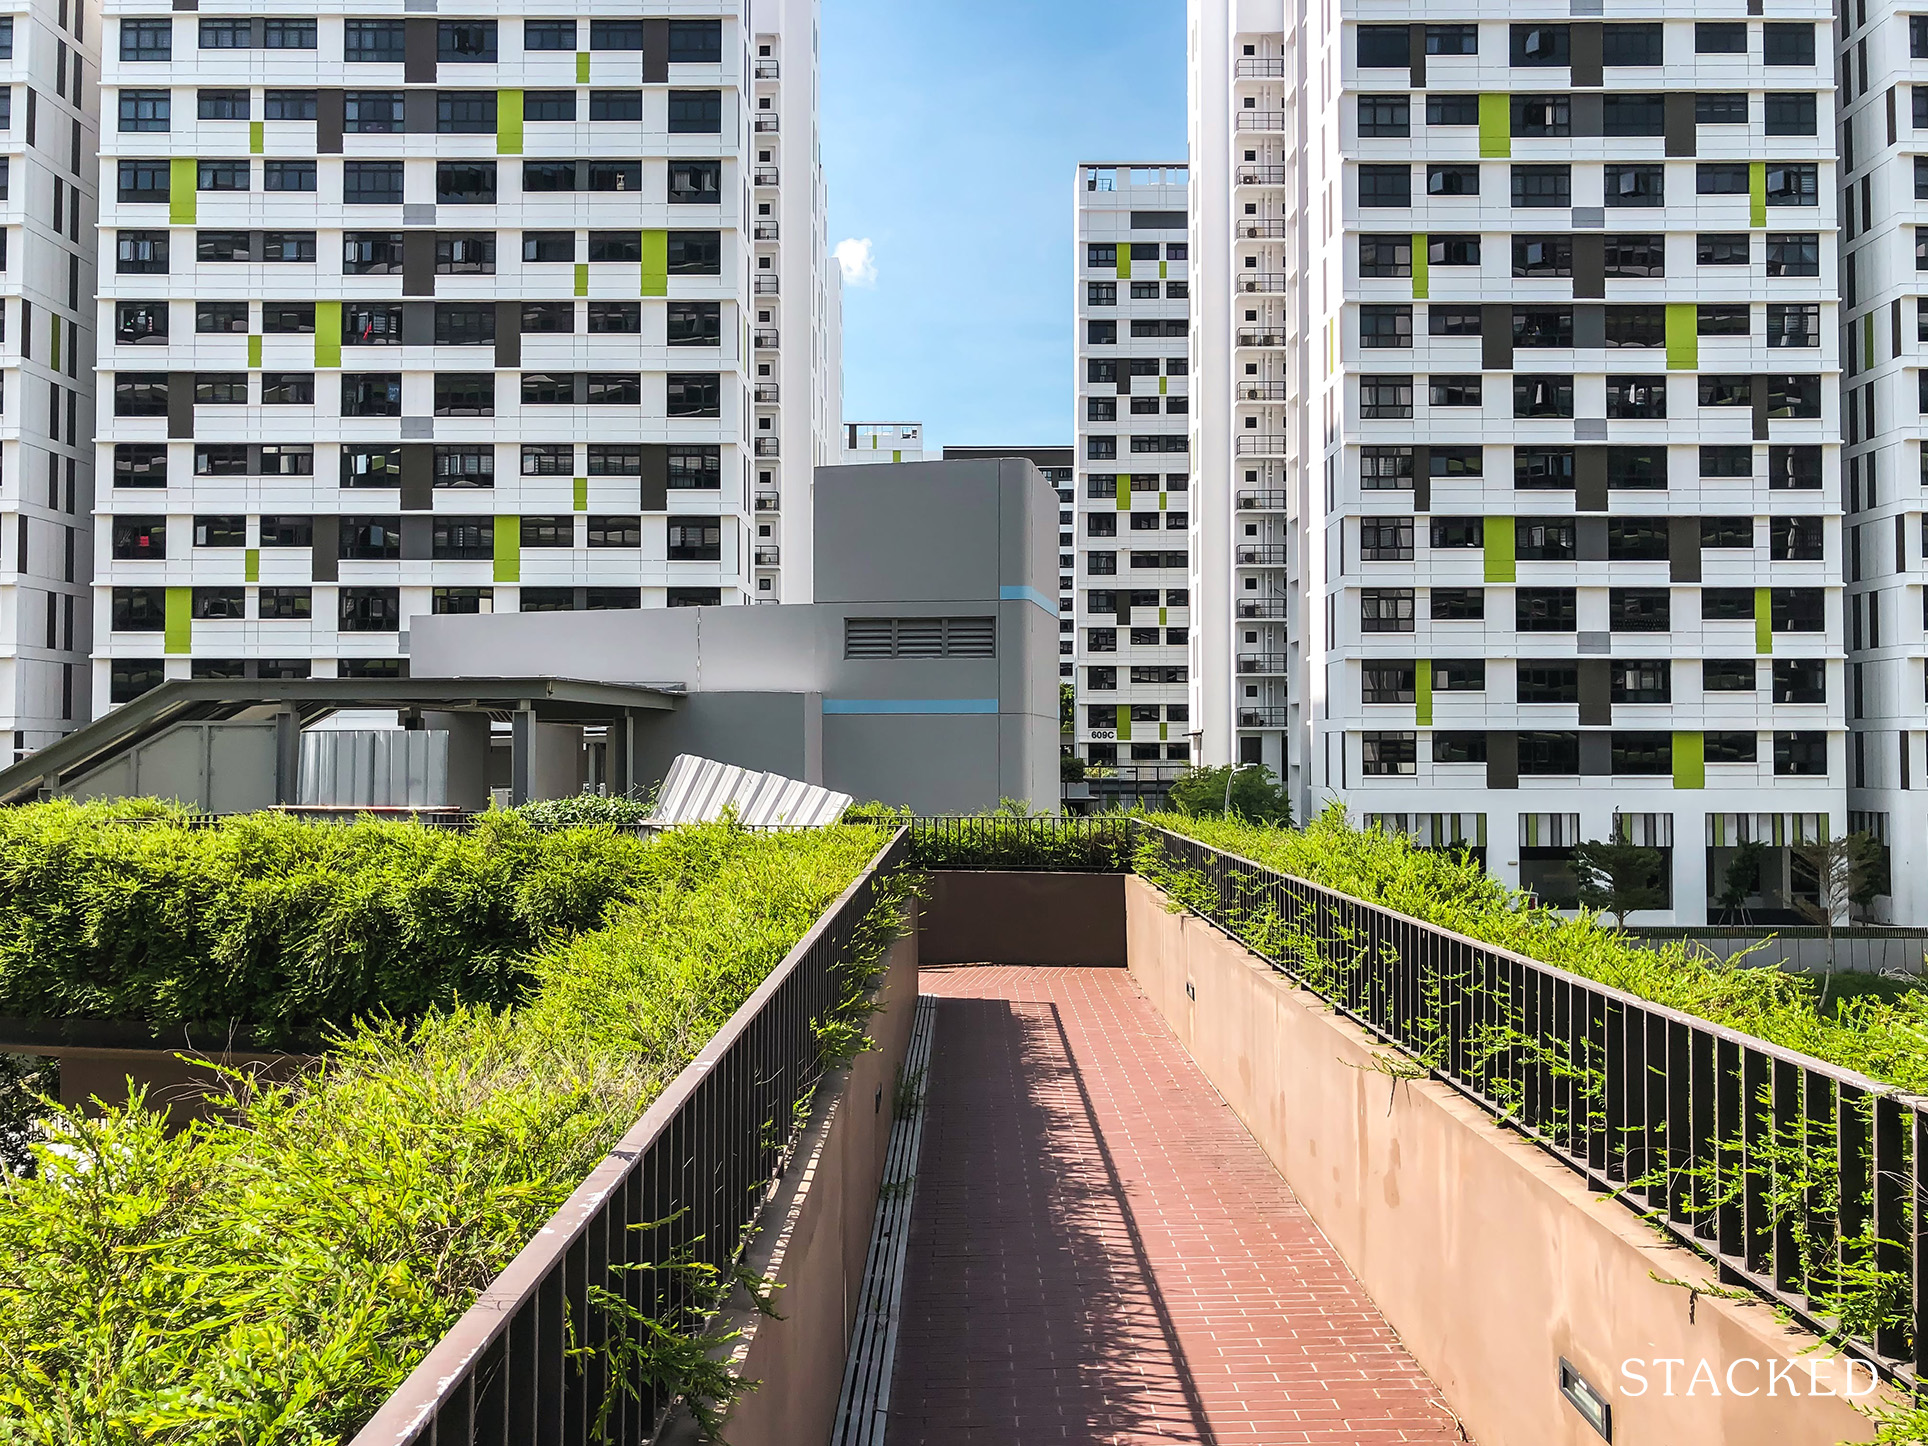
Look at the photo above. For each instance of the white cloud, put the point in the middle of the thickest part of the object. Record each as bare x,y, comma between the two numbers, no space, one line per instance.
855,257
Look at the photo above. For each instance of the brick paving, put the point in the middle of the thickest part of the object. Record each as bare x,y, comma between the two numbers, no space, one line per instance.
1100,1252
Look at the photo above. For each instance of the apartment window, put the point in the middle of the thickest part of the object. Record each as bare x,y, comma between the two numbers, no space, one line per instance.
140,394
695,42
1386,255
1385,326
1388,754
1542,45
1535,327
1457,604
465,183
1633,115
694,394
548,317
1385,397
296,34
1101,255
621,389
693,112
288,176
1797,609
1542,396
1453,390
145,110
144,182
1787,44
465,42
1381,539
1793,323
369,609
1385,186
616,35
1452,109
1637,539
138,323
548,459
540,176
1542,115
549,246
1638,609
371,539
1455,533
463,323
371,467
1794,396
139,464
1544,609
1101,293
548,35
1726,391
627,105
372,112
1542,186
691,183
465,253
548,389
1458,747
140,539
1543,539
1918,36
616,246
377,394
1385,115
461,600
221,389
1383,47
1793,468
1795,114
1800,680
615,532
465,394
548,105
1543,256
549,531
695,539
223,246
1723,319
1386,468
1723,250
371,183
1727,675
465,112
1635,185
695,253
1720,38
1794,539
1803,755
221,316
294,105
462,538
1546,683
690,323
1645,681
1793,184
139,609
1452,40
1720,109
146,40
1798,254
692,467
371,324
466,467
1386,610
378,42
1543,469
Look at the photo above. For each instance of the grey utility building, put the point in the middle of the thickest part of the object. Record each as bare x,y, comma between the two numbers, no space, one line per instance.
925,673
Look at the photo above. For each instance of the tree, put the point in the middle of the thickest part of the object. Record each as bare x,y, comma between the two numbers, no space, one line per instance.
1254,794
1616,877
1848,872
1741,880
1071,768
1067,709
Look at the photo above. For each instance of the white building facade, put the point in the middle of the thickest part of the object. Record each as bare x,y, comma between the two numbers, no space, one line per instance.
1517,430
1132,608
449,312
49,122
881,442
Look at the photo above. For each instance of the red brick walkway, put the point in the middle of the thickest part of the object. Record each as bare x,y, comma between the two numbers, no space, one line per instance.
1100,1252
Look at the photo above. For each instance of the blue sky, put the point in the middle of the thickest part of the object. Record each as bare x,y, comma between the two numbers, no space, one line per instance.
950,132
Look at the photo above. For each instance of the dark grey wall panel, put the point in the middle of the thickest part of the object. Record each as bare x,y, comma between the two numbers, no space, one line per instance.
1496,337
180,404
1683,549
418,477
328,122
1502,760
1596,755
1596,692
418,263
418,50
655,490
1585,51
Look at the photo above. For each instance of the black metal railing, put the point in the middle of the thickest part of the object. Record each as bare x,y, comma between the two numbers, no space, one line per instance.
535,1357
1087,845
1804,1180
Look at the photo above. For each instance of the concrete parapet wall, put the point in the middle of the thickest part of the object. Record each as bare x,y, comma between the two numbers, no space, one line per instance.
1491,1259
1023,918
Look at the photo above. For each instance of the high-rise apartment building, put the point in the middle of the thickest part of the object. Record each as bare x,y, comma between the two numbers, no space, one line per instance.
450,312
1884,417
1517,430
49,122
881,442
1132,610
1059,467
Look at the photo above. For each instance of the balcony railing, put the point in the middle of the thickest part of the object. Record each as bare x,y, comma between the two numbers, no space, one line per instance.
765,284
767,556
766,447
1263,338
767,501
1262,281
1261,717
1262,444
1262,230
1267,501
1261,663
766,120
764,391
764,175
766,70
1255,119
1261,554
1264,607
1264,391
764,340
1249,175
1260,67
764,231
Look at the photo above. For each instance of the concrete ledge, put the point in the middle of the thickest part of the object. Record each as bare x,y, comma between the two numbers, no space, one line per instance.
1024,918
1490,1258
814,1235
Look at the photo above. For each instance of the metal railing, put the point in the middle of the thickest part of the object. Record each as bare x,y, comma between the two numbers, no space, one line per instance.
1098,844
1270,500
1264,338
1250,118
1260,230
769,502
1254,663
764,175
766,447
1265,391
1263,444
767,556
1263,281
766,121
1260,67
765,392
1261,175
531,1359
766,70
1270,607
764,340
765,284
1261,554
1262,717
765,231
1802,1179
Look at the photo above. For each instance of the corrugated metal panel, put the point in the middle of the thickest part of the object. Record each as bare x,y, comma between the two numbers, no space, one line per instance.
374,768
698,789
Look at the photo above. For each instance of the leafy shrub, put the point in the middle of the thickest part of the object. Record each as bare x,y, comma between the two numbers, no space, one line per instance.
1254,795
264,929
583,809
271,1277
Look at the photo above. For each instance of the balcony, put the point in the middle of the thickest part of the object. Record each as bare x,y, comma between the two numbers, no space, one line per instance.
764,231
1264,338
764,391
1262,444
1258,120
1261,554
766,70
1261,664
767,501
1261,717
766,447
764,175
1259,68
765,283
1264,391
765,340
766,121
1265,501
1262,281
1264,607
767,556
1250,175
1250,230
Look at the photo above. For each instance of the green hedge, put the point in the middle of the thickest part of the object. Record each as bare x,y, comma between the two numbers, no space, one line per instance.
1883,1037
266,930
270,1278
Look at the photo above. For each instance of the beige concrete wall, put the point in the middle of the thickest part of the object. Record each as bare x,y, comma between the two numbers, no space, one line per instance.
175,1080
816,1234
1490,1258
1023,918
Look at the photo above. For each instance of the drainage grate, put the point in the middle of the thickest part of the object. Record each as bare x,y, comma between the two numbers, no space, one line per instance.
865,1402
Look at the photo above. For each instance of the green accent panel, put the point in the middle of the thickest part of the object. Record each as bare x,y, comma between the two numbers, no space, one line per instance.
178,636
1162,618
508,549
508,122
257,138
582,67
1124,492
254,351
582,494
655,263
1763,622
1163,499
180,191
1124,261
1501,565
1867,340
582,278
251,565
1757,193
1423,693
1422,280
53,330
896,456
1161,385
1162,273
1683,336
1124,723
1164,728
327,333
1495,126
1690,760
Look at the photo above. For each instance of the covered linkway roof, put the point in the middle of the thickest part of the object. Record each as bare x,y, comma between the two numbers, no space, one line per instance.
301,701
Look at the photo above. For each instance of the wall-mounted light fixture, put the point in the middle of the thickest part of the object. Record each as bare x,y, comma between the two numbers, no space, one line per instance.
1586,1399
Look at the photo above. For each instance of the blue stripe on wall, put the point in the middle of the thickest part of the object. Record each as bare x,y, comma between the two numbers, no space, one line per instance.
910,705
1017,592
